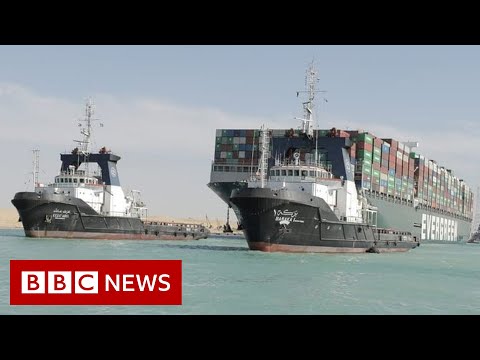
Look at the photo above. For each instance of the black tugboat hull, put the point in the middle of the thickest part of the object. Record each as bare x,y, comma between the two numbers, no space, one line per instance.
288,221
59,216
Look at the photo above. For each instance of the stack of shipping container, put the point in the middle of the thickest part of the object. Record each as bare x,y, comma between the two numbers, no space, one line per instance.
385,166
236,147
390,167
439,188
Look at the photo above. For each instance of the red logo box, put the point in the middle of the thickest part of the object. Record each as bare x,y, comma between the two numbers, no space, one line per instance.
95,282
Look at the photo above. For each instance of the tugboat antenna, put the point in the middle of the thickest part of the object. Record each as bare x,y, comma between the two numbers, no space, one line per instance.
311,79
87,128
36,167
264,143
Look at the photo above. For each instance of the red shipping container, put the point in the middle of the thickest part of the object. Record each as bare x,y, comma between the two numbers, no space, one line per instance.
364,146
378,142
393,143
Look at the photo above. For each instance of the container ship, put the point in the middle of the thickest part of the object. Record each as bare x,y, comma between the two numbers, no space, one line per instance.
396,187
86,201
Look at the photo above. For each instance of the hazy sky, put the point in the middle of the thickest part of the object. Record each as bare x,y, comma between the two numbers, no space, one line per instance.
161,105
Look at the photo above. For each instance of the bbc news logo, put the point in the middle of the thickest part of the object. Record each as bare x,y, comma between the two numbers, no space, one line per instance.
95,282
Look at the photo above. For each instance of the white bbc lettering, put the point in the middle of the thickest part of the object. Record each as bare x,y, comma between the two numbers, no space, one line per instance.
86,282
60,282
33,282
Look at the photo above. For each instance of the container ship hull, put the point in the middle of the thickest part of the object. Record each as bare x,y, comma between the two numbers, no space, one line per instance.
59,216
426,225
285,221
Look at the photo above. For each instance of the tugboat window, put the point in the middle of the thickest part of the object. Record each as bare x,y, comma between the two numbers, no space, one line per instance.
284,172
290,172
297,172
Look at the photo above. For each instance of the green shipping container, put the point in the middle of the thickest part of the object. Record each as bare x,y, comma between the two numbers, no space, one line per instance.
364,154
365,138
366,162
367,169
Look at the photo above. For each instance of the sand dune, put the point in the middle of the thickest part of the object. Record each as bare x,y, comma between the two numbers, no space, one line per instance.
9,219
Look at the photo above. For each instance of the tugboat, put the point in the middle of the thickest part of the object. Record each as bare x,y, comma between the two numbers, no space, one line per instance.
296,204
86,203
475,238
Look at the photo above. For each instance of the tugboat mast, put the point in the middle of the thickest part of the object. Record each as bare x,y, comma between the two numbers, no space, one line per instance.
87,127
311,79
36,167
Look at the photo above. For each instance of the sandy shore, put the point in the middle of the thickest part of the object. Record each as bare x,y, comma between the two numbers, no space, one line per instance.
9,220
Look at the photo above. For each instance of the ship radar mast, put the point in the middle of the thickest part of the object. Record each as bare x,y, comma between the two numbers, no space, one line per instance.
86,130
36,167
311,79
